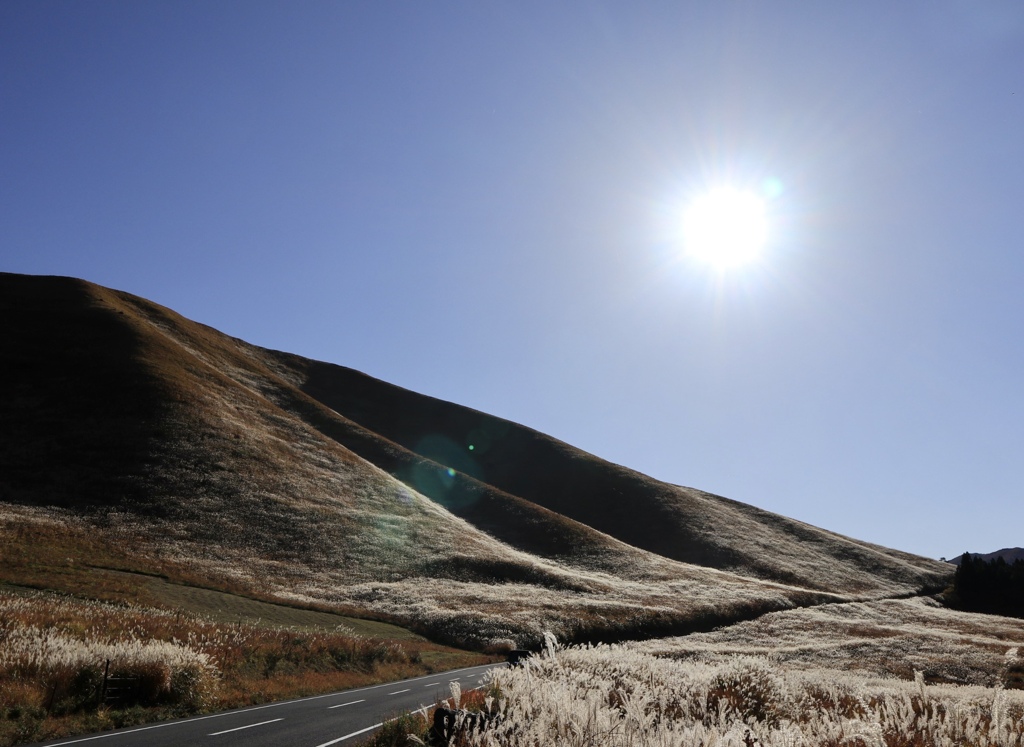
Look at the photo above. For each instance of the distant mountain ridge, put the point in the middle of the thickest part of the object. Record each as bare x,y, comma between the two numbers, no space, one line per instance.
1009,554
236,466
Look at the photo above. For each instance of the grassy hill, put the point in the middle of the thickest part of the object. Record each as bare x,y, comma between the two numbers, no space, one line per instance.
680,523
159,445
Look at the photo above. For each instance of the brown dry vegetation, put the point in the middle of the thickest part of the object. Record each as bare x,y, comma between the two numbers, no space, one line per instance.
227,466
614,695
675,522
57,555
54,653
881,638
721,688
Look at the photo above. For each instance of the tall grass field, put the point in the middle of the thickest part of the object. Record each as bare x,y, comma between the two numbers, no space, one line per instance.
57,653
614,696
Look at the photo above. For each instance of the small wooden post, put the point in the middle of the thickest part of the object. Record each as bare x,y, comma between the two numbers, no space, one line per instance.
103,688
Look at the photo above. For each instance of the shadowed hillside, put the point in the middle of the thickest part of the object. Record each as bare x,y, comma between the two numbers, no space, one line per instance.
680,523
155,444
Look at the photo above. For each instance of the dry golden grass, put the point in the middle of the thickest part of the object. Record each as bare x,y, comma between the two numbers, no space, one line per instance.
883,638
54,652
580,490
617,696
236,468
54,554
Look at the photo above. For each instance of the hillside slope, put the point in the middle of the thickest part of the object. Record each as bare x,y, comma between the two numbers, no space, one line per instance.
680,523
179,450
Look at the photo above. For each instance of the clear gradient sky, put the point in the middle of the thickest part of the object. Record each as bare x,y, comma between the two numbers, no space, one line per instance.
480,201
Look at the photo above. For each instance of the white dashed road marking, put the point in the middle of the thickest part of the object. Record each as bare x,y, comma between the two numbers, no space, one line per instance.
349,736
239,728
342,705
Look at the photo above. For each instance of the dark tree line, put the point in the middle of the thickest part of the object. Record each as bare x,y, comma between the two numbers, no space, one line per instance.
995,586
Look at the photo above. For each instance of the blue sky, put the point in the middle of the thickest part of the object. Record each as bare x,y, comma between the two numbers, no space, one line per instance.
481,201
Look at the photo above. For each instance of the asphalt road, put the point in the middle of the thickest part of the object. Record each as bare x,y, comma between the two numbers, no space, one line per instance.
318,721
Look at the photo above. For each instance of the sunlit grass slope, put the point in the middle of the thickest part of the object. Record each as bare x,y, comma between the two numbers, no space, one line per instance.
175,449
675,522
891,637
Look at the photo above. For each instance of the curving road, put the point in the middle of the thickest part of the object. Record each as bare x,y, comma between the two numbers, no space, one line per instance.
319,721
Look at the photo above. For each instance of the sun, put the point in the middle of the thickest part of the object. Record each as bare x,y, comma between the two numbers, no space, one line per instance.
725,227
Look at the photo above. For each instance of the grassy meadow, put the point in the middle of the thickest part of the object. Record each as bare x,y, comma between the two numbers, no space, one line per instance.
616,696
56,650
886,638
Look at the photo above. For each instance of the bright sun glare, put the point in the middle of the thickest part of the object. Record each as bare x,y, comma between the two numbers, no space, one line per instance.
725,227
